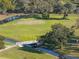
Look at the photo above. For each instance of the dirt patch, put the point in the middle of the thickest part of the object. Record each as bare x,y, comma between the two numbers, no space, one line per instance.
31,22
4,16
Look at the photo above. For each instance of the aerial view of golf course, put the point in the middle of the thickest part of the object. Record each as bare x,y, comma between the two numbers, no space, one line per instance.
39,29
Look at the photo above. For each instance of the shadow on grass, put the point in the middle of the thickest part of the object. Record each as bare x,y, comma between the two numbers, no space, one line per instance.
13,18
40,18
76,49
32,50
28,16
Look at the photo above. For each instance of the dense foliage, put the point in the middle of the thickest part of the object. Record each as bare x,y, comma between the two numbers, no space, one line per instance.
58,37
44,7
6,5
40,6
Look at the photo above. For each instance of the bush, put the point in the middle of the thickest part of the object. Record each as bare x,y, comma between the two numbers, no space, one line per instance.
1,42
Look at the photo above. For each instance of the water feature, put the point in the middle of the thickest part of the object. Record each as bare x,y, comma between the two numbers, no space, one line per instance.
10,41
48,51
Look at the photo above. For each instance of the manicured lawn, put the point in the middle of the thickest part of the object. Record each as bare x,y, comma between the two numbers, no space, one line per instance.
16,53
31,28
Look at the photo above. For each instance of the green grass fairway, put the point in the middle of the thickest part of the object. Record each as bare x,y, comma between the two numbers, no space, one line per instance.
31,28
16,53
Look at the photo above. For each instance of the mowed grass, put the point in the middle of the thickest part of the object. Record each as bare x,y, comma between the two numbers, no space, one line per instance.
31,28
16,53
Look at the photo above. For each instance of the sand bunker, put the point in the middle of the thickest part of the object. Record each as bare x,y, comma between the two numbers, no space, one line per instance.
31,22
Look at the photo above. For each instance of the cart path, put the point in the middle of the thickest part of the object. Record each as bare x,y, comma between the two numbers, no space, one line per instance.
7,48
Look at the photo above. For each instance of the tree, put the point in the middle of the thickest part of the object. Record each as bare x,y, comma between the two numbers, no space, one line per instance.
1,42
7,5
58,37
58,6
61,34
68,8
65,14
77,23
45,10
28,5
42,6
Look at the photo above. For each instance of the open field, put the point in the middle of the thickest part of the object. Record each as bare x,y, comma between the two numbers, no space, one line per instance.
31,28
16,53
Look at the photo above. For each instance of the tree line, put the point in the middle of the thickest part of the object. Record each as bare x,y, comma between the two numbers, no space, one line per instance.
38,6
43,7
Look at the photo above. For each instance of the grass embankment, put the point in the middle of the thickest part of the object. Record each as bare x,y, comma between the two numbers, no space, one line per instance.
16,53
31,28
